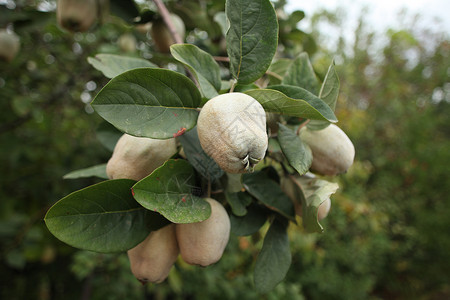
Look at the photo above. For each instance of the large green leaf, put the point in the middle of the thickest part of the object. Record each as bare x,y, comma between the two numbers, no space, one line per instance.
168,190
251,39
249,223
274,260
201,161
297,153
94,171
329,93
112,65
103,218
301,74
238,202
308,107
203,66
147,102
269,192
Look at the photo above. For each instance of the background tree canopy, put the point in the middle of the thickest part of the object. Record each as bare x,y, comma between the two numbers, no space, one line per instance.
387,232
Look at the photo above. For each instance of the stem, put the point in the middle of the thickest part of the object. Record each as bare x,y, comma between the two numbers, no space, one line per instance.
273,74
233,85
221,58
302,125
168,20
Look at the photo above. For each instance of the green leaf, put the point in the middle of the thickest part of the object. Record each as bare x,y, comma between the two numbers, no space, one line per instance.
297,153
108,135
251,39
301,74
112,65
308,107
103,218
250,223
203,66
238,202
269,192
125,9
274,260
315,191
221,19
168,190
201,161
146,102
329,93
278,69
94,171
234,183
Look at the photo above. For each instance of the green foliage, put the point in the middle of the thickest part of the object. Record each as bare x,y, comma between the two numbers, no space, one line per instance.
169,191
388,223
251,39
147,102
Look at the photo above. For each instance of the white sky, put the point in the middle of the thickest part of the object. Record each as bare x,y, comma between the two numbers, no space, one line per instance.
382,14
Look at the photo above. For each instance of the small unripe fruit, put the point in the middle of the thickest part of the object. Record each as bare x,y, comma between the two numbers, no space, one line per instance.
333,152
232,130
136,157
9,45
127,42
161,35
76,15
203,243
153,258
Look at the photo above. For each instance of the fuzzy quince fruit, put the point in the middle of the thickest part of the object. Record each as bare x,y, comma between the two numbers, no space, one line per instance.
137,157
76,15
232,130
203,243
153,258
161,34
9,45
333,152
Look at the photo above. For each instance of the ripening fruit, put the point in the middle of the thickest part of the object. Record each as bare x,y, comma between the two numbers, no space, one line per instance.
333,152
127,42
324,209
232,130
203,243
9,45
161,34
76,15
137,157
153,258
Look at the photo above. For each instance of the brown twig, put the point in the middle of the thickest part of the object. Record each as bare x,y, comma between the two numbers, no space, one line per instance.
221,58
168,20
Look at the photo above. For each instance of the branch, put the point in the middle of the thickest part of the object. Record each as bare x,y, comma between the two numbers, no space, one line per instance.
168,20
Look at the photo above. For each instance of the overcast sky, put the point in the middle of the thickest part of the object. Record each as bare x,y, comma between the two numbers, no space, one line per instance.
382,13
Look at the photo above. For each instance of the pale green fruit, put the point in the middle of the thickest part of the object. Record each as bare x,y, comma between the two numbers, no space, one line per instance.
333,152
76,15
152,259
203,243
161,35
232,130
127,42
137,157
9,45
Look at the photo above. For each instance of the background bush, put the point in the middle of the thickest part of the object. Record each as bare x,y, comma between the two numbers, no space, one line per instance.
385,238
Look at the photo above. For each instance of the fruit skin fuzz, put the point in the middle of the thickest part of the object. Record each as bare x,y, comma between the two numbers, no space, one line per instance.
333,152
152,259
203,243
232,130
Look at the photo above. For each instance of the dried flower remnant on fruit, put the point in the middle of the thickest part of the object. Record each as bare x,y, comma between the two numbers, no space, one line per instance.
232,130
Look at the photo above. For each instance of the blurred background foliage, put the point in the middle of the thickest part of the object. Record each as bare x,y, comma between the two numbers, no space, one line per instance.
385,238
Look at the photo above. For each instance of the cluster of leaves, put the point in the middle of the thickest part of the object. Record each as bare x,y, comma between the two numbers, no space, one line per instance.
116,215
